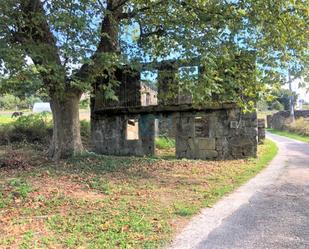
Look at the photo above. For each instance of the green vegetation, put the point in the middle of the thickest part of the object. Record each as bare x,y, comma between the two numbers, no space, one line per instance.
300,126
33,128
290,134
5,119
298,130
278,101
165,143
96,201
165,147
18,189
10,102
84,104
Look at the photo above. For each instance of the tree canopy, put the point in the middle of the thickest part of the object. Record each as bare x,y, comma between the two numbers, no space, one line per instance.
70,39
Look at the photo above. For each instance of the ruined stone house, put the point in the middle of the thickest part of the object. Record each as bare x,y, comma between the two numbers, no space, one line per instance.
127,126
149,94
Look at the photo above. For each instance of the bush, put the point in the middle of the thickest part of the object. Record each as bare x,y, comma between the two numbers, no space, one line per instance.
262,106
35,129
9,101
84,104
276,105
300,126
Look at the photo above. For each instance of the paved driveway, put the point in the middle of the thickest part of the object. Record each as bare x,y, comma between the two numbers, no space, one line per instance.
270,211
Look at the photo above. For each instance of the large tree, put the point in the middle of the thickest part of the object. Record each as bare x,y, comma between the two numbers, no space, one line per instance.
72,44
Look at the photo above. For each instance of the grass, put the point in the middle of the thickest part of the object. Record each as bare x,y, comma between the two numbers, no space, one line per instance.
95,201
165,143
6,119
290,134
165,147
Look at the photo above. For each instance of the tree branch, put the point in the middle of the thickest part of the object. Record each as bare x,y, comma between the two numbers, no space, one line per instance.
119,5
34,34
159,31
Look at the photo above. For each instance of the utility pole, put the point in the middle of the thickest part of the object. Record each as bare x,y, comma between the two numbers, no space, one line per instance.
292,112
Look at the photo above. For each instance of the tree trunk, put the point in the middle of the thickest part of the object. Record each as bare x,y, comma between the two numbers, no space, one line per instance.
292,112
66,140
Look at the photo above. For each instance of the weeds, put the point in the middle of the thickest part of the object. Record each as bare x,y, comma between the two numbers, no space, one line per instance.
165,143
135,202
34,129
300,126
20,187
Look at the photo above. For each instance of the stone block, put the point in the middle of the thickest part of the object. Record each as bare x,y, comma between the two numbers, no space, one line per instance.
208,154
269,121
207,143
243,146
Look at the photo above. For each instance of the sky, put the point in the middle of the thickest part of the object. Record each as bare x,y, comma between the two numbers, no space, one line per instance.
303,94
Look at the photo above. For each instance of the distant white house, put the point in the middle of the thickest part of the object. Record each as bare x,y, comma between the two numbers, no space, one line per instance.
41,107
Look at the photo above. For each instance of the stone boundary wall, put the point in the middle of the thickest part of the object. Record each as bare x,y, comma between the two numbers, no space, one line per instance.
215,134
218,135
261,130
280,119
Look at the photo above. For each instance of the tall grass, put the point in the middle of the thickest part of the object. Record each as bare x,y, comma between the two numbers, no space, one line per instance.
300,126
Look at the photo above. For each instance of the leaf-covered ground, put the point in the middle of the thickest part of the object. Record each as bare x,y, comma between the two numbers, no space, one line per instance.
96,201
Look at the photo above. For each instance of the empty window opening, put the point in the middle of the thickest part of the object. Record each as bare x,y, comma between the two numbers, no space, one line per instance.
165,143
201,127
132,132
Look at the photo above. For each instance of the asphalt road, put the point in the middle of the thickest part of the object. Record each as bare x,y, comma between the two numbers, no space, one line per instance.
270,211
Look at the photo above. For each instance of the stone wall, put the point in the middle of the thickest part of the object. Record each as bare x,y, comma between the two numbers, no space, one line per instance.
269,119
217,133
166,125
261,130
220,134
282,118
110,135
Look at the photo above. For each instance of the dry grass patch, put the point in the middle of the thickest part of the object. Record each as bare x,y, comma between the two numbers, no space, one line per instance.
96,201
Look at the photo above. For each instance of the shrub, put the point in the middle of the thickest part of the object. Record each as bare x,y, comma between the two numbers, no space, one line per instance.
35,129
300,126
9,101
276,105
84,104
